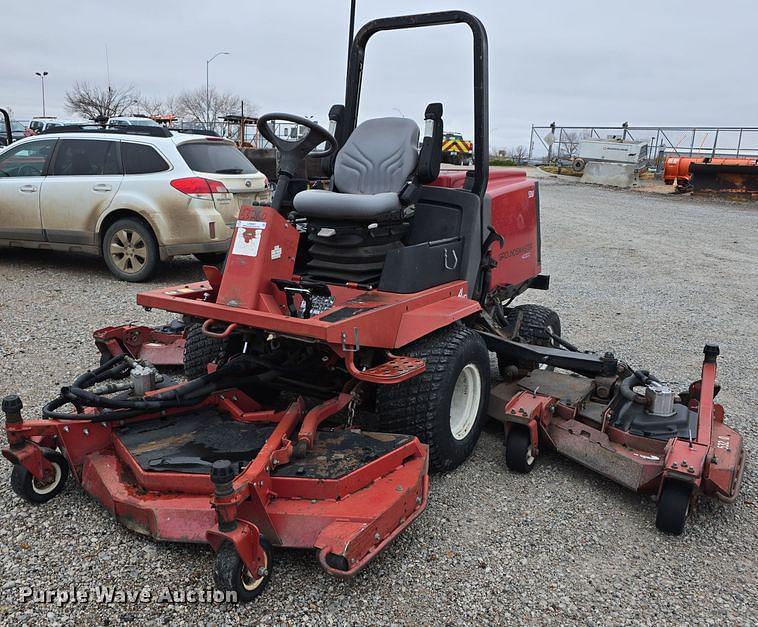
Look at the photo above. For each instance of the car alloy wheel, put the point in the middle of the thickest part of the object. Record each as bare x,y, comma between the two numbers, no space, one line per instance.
128,251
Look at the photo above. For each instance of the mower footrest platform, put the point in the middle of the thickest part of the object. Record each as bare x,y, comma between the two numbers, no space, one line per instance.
398,368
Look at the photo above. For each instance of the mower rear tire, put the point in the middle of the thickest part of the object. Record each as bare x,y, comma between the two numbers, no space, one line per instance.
231,575
535,321
519,454
28,487
199,351
673,506
130,250
445,405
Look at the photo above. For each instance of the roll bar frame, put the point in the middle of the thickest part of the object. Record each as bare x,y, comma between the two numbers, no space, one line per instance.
356,59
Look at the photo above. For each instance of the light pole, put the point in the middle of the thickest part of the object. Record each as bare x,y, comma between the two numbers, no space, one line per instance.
208,87
42,76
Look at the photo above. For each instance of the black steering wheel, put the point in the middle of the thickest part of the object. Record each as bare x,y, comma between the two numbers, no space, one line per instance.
293,152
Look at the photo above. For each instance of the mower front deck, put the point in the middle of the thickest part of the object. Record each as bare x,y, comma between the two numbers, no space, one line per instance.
347,496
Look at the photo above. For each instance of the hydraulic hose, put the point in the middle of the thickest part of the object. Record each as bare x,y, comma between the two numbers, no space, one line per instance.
240,371
638,377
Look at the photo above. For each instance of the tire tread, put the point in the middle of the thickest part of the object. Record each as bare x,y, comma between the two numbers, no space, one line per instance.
410,407
199,351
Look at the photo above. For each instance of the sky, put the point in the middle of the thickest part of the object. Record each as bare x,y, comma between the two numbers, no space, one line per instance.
584,62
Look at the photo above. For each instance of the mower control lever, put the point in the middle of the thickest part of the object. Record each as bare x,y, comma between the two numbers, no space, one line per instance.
492,237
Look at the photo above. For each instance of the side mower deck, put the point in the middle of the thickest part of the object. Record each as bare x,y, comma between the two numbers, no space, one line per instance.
688,447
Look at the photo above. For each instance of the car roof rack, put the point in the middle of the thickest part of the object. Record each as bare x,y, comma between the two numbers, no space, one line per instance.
195,131
149,131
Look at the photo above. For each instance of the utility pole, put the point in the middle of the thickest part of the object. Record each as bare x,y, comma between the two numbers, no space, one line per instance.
42,76
208,87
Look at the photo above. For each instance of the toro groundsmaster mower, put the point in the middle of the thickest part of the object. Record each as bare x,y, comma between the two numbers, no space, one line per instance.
343,351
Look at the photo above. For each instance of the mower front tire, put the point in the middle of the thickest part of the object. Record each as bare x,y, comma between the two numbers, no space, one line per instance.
28,487
673,506
445,405
199,351
231,575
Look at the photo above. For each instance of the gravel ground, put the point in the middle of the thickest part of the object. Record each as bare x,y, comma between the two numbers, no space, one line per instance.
649,276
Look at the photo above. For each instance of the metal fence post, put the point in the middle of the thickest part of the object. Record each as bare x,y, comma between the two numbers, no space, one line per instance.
715,143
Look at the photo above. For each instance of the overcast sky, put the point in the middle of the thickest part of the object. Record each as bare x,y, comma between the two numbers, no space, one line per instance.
580,62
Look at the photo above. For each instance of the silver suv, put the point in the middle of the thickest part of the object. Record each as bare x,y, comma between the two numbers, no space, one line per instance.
134,196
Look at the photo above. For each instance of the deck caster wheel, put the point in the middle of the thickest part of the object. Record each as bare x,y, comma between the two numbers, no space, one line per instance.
231,575
673,506
519,454
28,487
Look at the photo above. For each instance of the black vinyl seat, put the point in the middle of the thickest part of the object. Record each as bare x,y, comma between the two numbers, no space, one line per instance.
378,175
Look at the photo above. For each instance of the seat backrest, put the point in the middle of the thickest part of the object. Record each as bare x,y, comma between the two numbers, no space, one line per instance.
379,156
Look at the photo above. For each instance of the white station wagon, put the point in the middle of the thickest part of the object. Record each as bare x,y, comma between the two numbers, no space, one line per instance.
133,195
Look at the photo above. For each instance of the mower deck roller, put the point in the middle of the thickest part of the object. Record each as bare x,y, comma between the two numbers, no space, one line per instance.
343,353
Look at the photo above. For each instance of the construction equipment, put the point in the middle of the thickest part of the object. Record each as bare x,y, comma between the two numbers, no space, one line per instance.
614,149
344,348
456,150
732,176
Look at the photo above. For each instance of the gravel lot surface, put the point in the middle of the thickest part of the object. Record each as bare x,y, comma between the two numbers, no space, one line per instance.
651,277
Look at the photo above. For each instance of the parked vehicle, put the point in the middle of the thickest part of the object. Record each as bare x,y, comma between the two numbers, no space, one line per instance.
136,195
18,128
132,121
42,125
456,150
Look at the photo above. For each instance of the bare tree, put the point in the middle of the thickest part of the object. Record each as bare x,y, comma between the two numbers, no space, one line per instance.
153,106
206,109
92,101
518,154
570,141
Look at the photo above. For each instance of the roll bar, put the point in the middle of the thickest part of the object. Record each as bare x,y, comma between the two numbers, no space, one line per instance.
7,126
481,80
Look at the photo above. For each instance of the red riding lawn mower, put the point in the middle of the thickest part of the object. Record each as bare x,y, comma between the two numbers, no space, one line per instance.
343,352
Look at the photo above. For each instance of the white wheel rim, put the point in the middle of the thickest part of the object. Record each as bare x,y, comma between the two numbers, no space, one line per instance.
48,487
464,405
249,582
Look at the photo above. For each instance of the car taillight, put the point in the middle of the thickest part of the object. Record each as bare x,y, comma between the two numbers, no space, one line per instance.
217,187
198,187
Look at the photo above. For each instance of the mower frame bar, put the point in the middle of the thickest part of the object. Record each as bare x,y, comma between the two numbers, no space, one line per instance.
582,363
481,80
